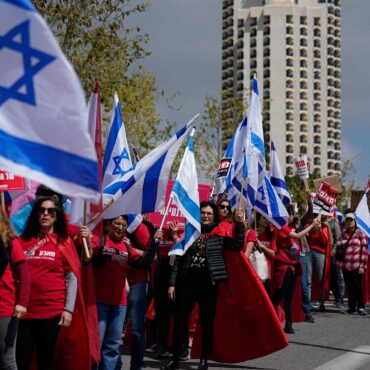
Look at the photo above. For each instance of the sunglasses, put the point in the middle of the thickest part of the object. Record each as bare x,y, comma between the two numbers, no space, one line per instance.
50,210
222,206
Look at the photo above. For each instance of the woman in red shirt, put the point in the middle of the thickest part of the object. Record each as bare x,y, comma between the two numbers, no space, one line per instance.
53,284
13,295
112,256
287,268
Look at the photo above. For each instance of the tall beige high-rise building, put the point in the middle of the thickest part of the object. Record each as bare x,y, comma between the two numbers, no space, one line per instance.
294,47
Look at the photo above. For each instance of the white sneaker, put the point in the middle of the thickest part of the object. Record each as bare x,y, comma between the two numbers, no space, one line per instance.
362,312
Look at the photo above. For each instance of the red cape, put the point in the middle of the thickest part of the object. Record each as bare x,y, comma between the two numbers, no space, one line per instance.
73,348
315,287
246,325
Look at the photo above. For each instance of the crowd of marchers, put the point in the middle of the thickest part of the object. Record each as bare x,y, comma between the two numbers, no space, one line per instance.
68,296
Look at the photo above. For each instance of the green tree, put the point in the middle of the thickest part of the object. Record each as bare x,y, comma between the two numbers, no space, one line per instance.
94,38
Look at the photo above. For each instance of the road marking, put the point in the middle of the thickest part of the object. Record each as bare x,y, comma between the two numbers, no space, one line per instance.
354,359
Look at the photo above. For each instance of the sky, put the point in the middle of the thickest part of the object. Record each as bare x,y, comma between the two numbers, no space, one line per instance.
185,45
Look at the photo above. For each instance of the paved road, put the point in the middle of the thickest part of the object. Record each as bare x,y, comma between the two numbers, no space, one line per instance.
334,342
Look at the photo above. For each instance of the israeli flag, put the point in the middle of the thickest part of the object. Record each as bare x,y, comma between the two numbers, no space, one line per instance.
143,188
43,116
234,156
185,195
117,159
362,214
268,203
255,123
277,178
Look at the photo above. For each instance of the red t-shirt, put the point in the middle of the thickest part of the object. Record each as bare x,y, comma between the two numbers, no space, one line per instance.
47,266
317,241
249,236
110,278
7,283
268,242
142,242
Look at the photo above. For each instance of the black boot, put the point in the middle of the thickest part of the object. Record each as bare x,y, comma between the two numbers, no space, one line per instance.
203,364
288,327
172,365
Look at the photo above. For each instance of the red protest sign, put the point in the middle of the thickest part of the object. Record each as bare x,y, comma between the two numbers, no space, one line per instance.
174,213
9,181
325,197
223,167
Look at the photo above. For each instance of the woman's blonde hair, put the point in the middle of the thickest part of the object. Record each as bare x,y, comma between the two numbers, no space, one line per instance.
6,232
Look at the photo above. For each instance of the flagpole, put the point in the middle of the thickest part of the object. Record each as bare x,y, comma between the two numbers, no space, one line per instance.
84,241
98,214
3,201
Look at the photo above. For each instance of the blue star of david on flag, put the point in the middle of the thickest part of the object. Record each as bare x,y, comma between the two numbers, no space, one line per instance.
18,40
117,162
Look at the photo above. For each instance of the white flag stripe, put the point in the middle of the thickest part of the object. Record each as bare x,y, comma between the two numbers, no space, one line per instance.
363,215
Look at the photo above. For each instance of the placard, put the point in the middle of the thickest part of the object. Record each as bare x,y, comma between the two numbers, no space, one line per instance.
174,214
325,197
302,167
9,181
223,167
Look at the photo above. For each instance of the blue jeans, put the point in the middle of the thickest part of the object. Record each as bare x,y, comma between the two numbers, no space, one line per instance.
111,319
137,304
317,263
306,302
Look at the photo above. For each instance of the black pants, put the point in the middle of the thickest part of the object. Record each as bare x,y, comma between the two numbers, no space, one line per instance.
353,282
286,293
41,334
196,287
164,308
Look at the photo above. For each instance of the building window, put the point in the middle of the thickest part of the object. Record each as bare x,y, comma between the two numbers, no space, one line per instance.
303,20
303,85
303,31
289,149
289,159
266,19
289,73
289,19
289,30
303,63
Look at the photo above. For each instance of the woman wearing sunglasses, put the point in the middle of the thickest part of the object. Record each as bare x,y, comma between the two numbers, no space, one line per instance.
49,253
224,211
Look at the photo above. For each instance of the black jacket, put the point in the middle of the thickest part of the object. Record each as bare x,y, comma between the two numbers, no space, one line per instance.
214,249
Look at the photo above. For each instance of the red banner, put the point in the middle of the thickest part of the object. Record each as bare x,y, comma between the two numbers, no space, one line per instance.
8,181
174,213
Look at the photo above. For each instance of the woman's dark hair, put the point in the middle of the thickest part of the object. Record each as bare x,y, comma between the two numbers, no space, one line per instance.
268,230
207,203
110,220
32,227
